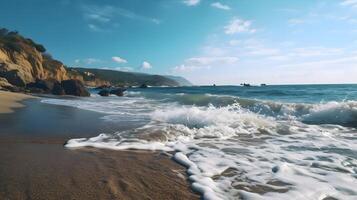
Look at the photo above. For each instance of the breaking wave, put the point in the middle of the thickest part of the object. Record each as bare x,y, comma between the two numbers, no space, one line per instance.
240,148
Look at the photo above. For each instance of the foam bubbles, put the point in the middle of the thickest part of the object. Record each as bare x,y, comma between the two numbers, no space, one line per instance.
260,150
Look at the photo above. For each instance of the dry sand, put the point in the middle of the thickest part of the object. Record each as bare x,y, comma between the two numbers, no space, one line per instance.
11,100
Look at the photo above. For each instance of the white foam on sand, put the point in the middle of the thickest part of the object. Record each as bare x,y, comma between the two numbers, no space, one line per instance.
231,152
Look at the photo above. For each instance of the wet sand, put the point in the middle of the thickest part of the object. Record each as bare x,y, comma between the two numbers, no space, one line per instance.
9,101
35,165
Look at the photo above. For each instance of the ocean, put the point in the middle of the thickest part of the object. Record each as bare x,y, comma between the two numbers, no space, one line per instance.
269,142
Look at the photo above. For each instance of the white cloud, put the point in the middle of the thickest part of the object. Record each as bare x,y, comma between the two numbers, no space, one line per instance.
118,59
352,3
156,21
234,42
316,51
220,6
87,61
264,51
94,27
97,17
296,21
239,26
146,65
199,63
191,2
104,18
187,68
208,61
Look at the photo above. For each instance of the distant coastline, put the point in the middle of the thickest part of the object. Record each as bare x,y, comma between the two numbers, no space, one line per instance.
26,66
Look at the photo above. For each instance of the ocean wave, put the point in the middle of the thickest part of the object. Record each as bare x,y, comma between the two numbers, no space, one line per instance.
237,147
232,152
342,113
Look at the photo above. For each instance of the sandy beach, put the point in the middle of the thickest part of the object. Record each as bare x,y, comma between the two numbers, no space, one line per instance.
35,165
9,101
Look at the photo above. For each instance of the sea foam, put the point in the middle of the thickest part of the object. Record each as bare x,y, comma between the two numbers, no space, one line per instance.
264,150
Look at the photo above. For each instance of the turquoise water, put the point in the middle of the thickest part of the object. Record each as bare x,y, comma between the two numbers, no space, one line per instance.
281,93
271,142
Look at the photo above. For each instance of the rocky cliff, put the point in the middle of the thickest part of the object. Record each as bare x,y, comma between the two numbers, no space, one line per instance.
22,62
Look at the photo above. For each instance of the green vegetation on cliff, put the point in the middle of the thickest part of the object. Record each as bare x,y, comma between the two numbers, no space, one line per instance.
12,40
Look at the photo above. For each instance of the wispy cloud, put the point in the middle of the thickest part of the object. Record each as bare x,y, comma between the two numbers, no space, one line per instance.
187,68
237,25
88,61
118,59
352,3
295,21
221,6
212,60
191,2
106,17
96,28
316,51
146,65
125,69
199,63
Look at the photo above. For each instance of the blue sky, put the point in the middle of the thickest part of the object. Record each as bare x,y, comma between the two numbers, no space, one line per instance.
206,41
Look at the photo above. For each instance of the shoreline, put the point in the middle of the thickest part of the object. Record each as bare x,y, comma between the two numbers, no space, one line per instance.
11,100
34,164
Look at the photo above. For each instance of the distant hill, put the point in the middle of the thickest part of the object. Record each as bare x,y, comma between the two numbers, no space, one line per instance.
121,78
182,81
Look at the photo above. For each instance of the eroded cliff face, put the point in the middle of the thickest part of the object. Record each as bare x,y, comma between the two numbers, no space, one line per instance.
23,62
54,70
26,65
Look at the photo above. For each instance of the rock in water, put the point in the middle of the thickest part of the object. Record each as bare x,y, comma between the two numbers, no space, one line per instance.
103,87
104,93
143,86
118,91
74,87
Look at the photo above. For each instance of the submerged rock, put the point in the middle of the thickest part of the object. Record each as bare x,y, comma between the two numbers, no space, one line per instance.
103,87
118,91
143,86
74,87
104,93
